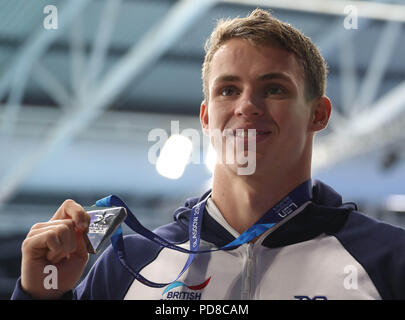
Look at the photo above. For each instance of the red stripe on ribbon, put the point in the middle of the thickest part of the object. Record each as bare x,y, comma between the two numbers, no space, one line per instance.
200,286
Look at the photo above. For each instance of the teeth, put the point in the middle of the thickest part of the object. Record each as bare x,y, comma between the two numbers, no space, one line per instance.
244,134
240,133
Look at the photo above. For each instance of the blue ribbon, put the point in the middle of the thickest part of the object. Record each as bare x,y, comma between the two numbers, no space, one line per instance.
299,196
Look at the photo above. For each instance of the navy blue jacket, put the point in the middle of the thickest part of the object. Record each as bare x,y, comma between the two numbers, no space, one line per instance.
328,250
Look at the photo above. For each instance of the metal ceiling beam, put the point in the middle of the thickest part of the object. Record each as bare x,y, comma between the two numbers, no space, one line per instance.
77,58
378,65
140,58
334,149
380,125
337,34
365,9
122,126
102,41
15,78
51,85
348,75
385,110
150,48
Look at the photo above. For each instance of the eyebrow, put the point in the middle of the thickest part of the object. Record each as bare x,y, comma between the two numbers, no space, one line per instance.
275,75
264,77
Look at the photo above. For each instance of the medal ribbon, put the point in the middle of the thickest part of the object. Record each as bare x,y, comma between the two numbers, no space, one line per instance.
283,209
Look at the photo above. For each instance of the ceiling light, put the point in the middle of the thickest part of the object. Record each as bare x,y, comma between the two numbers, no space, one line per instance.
174,156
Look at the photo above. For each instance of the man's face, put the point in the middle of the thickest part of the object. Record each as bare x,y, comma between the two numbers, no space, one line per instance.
262,88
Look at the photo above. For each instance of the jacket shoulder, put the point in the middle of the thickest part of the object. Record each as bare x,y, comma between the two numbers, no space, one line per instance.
107,279
380,248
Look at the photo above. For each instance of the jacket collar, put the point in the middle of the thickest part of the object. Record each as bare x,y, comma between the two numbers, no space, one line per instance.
325,214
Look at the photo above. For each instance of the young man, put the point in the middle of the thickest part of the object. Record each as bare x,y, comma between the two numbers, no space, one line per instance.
298,240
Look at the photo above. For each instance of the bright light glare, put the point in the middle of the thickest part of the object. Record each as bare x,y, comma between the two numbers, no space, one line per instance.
174,157
396,202
210,158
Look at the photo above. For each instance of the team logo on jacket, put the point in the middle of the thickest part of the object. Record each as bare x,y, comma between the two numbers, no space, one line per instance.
192,292
311,298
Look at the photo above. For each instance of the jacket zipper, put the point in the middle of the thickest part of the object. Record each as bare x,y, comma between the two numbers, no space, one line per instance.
247,273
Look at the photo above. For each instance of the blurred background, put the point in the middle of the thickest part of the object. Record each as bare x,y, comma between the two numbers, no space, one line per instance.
88,87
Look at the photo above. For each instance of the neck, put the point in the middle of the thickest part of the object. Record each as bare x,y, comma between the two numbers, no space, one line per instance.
243,200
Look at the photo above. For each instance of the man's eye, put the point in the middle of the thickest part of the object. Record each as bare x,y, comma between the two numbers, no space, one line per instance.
274,90
227,91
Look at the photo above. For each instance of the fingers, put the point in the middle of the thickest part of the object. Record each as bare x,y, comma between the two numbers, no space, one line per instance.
59,237
54,239
59,242
74,211
41,226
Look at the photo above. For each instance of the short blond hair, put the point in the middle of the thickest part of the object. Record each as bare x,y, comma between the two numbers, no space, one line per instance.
261,29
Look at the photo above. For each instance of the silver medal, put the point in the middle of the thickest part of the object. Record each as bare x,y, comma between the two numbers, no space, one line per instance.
104,221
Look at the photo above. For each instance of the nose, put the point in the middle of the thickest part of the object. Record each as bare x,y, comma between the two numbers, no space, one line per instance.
248,106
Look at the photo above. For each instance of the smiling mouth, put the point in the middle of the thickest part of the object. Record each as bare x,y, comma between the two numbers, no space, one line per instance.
247,136
250,133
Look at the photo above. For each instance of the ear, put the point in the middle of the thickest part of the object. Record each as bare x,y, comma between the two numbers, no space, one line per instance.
321,109
204,116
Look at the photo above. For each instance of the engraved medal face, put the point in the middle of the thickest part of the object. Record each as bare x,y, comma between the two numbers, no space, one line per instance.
103,223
